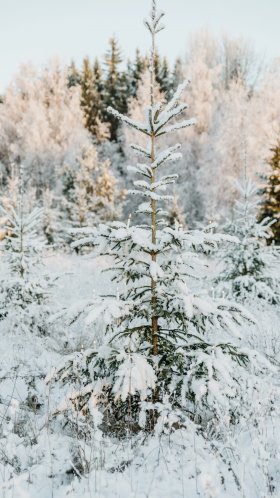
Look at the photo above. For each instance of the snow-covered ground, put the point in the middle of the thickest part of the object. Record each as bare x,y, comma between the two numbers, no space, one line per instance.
42,457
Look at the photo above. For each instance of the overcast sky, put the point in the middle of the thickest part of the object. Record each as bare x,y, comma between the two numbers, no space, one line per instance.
36,30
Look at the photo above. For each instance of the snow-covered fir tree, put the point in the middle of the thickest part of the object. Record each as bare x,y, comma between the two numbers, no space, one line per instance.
115,85
74,76
92,96
24,289
250,268
9,195
170,350
135,72
165,79
89,95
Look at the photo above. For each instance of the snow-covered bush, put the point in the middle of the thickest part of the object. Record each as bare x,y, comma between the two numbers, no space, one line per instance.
250,268
23,292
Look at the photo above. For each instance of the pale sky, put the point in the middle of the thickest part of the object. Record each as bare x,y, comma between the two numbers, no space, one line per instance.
36,30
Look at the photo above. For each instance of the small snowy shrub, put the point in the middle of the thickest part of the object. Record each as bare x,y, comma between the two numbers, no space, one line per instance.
24,291
251,269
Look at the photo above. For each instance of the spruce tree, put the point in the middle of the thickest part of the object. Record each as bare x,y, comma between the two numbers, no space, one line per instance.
165,79
24,291
271,203
115,85
178,72
136,71
167,343
88,94
98,76
92,100
250,268
162,75
74,76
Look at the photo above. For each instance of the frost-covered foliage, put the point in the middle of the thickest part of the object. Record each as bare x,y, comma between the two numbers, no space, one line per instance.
251,270
42,124
228,104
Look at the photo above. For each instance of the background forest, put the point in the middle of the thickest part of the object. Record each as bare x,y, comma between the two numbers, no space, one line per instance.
55,122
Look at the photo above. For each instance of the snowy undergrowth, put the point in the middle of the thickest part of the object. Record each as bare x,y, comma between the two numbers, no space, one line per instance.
38,457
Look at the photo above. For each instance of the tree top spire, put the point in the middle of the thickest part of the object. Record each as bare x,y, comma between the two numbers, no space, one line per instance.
154,22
